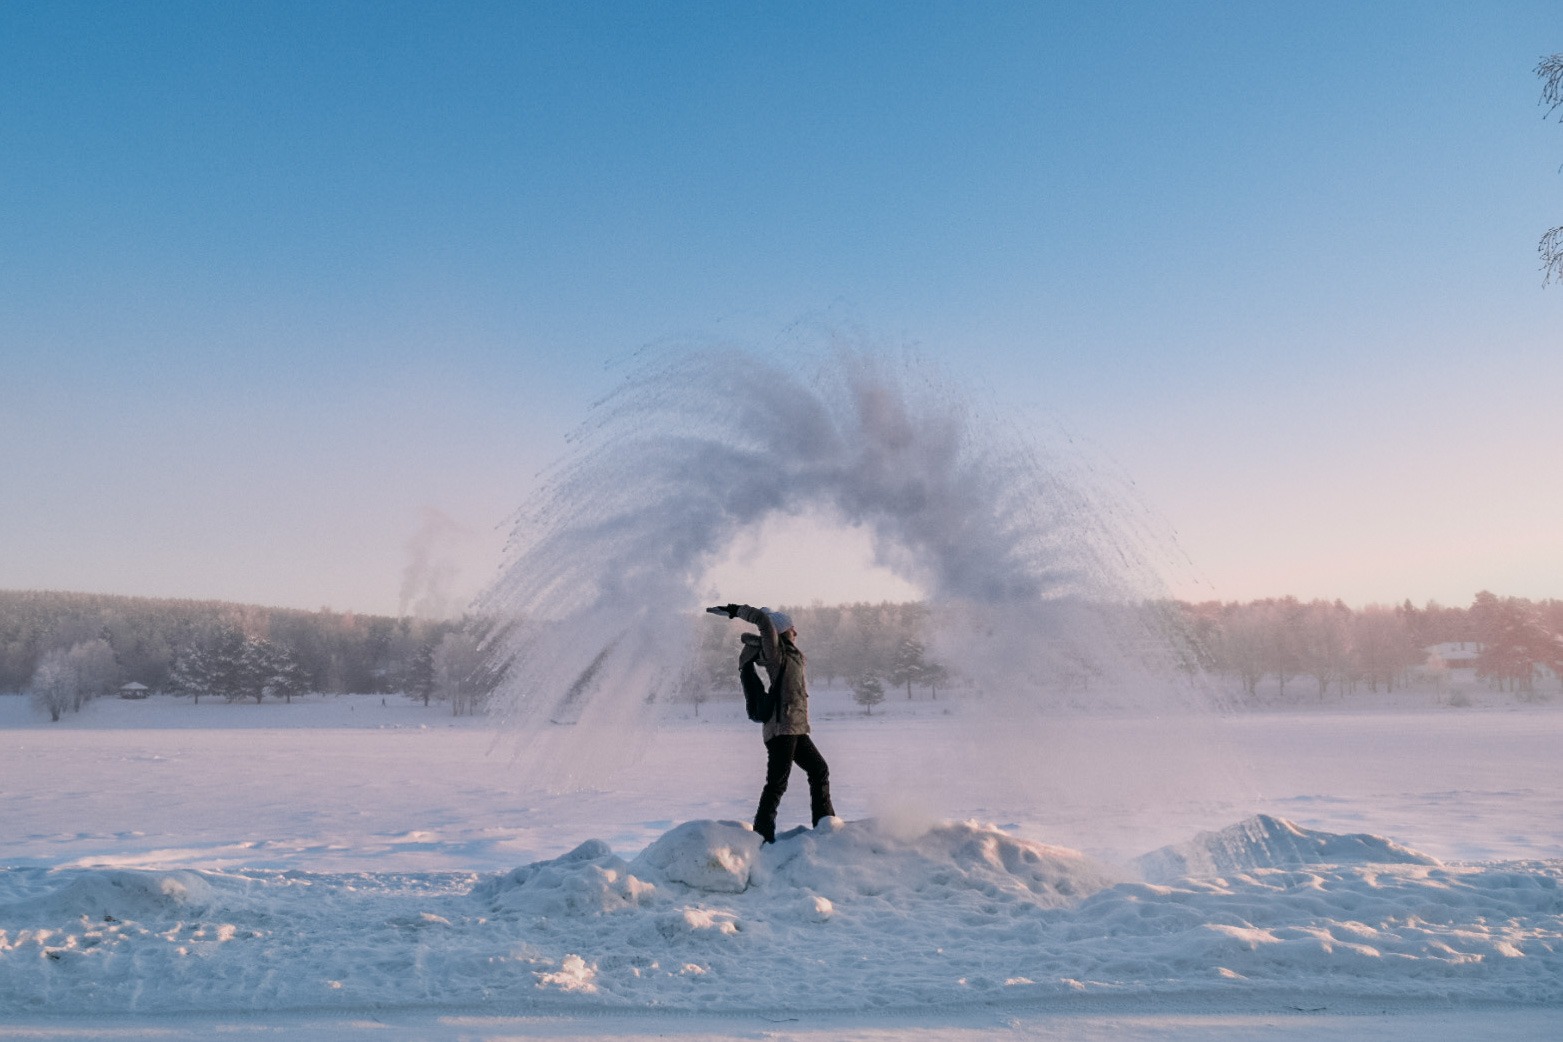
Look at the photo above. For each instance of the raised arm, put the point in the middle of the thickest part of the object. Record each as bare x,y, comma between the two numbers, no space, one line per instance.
770,640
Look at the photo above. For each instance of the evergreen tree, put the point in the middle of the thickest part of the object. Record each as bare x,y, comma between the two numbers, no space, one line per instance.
934,675
148,635
255,658
225,663
867,691
284,676
190,674
420,678
906,664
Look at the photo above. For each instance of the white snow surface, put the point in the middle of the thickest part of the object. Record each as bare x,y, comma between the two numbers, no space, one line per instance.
846,917
159,859
1267,842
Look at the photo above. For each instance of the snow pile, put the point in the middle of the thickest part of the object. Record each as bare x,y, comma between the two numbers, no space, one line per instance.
112,894
1266,842
707,901
589,880
704,855
850,916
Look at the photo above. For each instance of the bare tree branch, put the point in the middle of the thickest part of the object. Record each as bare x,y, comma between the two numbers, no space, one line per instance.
1551,250
1550,69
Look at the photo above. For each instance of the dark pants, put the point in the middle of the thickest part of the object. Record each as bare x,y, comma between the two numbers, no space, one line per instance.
781,753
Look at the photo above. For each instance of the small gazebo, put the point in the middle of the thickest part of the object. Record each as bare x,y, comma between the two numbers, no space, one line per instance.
134,690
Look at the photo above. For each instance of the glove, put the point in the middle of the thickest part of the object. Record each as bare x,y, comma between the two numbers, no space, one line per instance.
730,610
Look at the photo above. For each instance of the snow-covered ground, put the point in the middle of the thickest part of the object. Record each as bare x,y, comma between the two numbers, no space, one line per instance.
346,867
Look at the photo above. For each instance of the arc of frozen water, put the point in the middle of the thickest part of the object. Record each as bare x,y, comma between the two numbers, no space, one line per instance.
1023,564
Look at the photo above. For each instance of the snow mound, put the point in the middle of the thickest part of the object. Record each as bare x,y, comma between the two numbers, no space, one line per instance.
589,880
955,861
708,917
717,856
851,916
1266,842
839,861
109,894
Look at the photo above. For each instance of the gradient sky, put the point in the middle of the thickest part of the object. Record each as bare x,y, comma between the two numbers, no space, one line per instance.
283,286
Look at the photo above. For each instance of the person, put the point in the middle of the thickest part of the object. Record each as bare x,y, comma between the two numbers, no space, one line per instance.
786,735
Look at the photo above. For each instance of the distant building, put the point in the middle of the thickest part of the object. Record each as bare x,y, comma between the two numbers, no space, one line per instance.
134,690
1454,655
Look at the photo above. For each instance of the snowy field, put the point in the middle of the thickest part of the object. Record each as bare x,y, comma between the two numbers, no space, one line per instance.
344,869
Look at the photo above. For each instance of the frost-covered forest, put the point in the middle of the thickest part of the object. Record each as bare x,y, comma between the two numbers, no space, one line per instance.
97,642
1299,648
65,648
1323,646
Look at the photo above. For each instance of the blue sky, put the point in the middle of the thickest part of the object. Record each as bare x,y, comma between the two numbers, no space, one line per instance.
275,279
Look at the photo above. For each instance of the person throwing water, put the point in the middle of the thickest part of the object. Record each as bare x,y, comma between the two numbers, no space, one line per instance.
786,732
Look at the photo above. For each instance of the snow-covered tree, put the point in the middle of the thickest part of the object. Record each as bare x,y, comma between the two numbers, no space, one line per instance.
284,677
190,674
1515,640
867,691
935,675
696,690
66,678
339,650
1282,630
1324,644
53,686
907,664
822,633
226,665
1242,645
263,668
96,671
1383,645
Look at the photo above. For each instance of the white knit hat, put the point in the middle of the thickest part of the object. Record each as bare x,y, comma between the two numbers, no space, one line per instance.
780,619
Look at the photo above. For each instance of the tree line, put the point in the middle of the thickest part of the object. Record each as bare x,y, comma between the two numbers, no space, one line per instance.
876,649
65,648
1298,646
1326,643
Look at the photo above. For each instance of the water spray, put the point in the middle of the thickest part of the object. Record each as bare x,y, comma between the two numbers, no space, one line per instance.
1037,581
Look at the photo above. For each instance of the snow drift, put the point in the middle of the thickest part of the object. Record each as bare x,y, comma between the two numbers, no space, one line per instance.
1266,842
850,916
110,894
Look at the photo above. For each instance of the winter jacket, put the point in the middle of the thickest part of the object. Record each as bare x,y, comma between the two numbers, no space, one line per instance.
774,648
